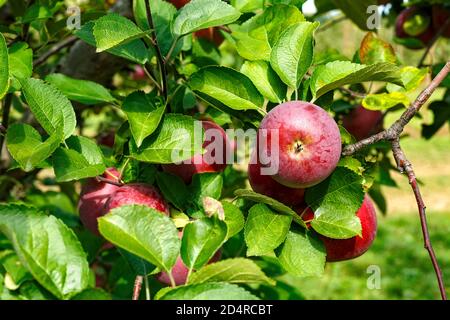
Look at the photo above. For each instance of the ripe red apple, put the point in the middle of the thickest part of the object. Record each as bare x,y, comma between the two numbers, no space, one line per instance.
93,197
179,3
264,184
180,271
414,22
138,74
137,193
309,143
106,139
207,162
361,123
345,249
440,16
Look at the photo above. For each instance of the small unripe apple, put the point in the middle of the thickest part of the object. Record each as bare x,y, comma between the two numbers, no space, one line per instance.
180,271
207,162
440,16
414,22
309,143
346,249
137,193
93,197
264,184
361,123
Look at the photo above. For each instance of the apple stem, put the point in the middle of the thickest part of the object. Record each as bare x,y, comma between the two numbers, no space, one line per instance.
172,280
137,287
392,134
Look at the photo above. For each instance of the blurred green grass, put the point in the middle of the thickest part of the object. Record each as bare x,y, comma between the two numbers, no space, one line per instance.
406,270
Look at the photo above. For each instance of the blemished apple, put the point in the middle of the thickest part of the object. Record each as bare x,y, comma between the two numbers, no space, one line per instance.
180,271
440,16
309,143
361,123
137,193
198,163
264,184
346,249
415,22
93,197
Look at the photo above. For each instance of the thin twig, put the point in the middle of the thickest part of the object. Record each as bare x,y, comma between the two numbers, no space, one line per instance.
54,50
159,56
329,24
405,167
435,38
353,93
394,131
137,287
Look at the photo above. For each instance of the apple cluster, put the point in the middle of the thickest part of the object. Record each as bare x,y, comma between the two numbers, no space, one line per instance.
419,24
309,151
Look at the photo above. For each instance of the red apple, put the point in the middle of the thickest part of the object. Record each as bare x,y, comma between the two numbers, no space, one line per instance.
138,74
309,143
345,249
179,3
137,193
420,26
93,197
106,139
264,184
361,123
211,34
207,162
180,271
440,16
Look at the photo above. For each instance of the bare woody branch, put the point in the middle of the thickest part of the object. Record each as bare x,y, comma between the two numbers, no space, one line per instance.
394,131
405,167
54,50
137,287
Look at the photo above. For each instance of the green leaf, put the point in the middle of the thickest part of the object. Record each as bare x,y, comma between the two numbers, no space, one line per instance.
206,291
4,67
83,91
20,63
201,239
234,218
83,159
356,11
143,231
178,138
238,270
228,86
335,202
26,146
412,78
203,185
163,14
292,55
114,30
93,294
47,248
144,115
441,116
256,37
173,189
375,50
202,14
302,254
51,108
384,101
14,267
265,80
274,204
336,74
265,230
134,50
37,12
